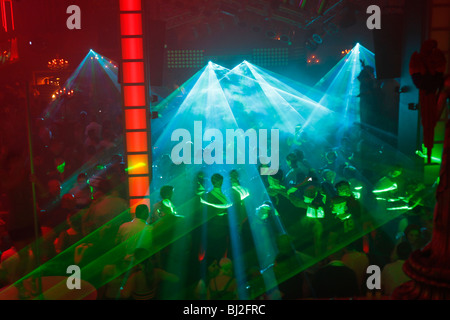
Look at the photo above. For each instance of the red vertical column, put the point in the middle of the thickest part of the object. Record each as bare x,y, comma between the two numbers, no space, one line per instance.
135,103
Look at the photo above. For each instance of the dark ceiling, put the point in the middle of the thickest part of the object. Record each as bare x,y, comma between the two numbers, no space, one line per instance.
221,26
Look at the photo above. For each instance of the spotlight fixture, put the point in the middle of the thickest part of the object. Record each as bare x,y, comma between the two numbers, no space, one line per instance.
317,39
413,106
185,59
154,98
57,64
53,81
154,115
63,93
313,60
403,89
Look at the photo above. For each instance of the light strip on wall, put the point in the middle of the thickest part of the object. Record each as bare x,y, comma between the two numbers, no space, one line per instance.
134,99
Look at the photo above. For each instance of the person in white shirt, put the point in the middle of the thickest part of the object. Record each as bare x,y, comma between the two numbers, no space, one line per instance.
136,233
393,275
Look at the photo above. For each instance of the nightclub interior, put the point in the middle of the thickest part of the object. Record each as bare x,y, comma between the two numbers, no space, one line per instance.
252,150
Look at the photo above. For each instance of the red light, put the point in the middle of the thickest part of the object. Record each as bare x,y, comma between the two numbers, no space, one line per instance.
133,72
130,5
136,119
131,24
135,202
134,96
132,49
138,186
201,255
137,141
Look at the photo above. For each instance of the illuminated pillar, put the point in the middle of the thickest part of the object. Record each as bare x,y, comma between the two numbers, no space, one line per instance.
135,102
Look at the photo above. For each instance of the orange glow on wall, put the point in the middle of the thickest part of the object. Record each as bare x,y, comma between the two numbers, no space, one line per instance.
138,186
136,119
135,202
136,110
137,142
137,164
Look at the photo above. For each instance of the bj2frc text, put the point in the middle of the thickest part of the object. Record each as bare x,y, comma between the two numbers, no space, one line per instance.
232,309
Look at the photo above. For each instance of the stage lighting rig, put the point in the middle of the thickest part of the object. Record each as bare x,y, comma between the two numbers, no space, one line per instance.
185,59
413,106
63,93
58,64
313,60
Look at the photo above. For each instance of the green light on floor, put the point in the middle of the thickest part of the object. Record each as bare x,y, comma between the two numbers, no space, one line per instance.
422,155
